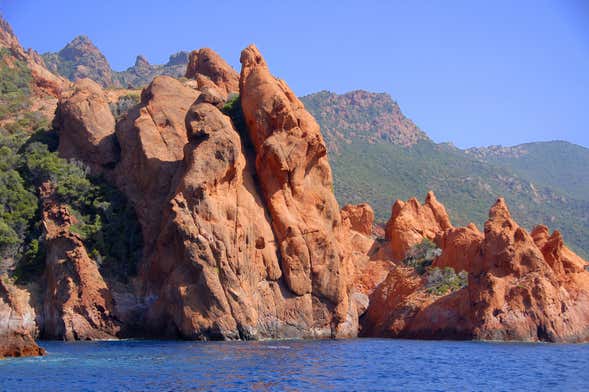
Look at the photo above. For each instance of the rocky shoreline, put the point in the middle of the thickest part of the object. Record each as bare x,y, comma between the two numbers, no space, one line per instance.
244,239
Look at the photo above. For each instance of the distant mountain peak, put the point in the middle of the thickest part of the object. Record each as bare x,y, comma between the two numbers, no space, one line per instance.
141,61
362,115
178,58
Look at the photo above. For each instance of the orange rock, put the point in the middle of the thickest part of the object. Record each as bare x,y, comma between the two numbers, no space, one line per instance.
359,217
460,246
295,177
152,137
412,222
86,126
78,304
516,291
558,256
17,322
207,67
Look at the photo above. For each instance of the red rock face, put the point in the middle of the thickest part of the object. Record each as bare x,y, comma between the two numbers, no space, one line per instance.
152,138
217,249
86,126
359,217
17,322
207,67
518,289
77,304
295,177
412,222
460,246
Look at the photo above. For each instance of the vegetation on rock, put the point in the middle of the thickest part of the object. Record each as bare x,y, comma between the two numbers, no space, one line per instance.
421,256
441,281
106,222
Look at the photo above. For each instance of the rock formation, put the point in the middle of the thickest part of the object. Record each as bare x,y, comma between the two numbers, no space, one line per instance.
243,237
412,222
295,177
206,66
78,304
152,137
17,322
86,126
519,288
218,247
360,217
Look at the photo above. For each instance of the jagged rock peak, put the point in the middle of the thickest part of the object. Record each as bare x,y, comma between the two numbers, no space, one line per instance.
207,63
411,222
179,58
296,180
141,61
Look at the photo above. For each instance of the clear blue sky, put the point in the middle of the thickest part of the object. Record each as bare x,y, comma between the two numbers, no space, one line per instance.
471,72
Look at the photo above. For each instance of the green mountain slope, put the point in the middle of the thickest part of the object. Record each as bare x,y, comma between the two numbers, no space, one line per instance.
558,164
467,183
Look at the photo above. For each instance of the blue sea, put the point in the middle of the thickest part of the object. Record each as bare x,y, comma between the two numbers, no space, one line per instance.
331,365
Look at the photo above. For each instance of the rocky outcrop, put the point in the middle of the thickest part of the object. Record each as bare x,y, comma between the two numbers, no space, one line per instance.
359,217
460,247
17,322
411,222
81,59
295,178
206,65
520,287
234,265
86,126
217,249
78,304
152,137
560,258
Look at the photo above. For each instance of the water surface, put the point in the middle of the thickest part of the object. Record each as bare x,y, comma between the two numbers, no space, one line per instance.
345,365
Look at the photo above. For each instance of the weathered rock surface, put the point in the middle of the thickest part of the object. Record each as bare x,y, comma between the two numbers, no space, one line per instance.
360,217
217,249
295,177
460,247
86,126
152,137
411,222
78,304
17,322
206,66
519,288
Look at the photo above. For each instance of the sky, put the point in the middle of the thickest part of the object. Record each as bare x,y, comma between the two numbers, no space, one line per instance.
473,73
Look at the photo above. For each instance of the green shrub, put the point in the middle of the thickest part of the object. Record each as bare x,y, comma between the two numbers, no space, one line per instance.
106,222
124,104
18,204
421,256
15,85
442,281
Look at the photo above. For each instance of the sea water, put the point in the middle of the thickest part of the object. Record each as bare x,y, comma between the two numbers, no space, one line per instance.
338,365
